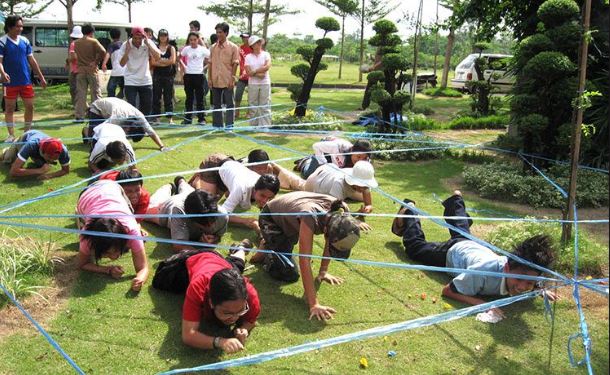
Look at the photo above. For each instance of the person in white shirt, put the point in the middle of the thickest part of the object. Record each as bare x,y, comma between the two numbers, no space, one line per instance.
353,183
246,187
113,54
257,66
119,112
136,54
110,148
194,59
337,151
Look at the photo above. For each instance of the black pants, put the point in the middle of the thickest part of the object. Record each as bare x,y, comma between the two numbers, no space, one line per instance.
435,253
163,88
280,265
222,96
194,90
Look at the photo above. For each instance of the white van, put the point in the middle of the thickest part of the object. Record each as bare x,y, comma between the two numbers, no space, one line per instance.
497,63
50,40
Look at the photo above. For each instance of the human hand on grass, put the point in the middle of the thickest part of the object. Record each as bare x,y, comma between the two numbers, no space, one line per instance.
498,312
231,345
332,280
366,209
136,284
364,226
254,226
321,312
241,334
552,296
116,272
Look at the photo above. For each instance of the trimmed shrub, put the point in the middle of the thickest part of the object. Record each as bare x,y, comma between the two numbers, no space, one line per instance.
443,92
328,24
549,65
590,258
287,118
412,143
418,122
566,38
486,122
530,47
424,110
556,12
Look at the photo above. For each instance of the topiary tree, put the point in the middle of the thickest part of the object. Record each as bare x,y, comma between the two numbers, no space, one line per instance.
546,81
387,83
307,71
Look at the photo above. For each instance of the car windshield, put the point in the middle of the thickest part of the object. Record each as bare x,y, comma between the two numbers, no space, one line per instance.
467,62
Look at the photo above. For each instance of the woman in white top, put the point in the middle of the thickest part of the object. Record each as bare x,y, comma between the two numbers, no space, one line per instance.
194,58
257,65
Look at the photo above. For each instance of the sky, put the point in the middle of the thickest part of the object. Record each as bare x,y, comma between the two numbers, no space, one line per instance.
163,14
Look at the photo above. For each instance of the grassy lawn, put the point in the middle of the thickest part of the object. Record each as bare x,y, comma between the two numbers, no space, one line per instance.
108,330
280,73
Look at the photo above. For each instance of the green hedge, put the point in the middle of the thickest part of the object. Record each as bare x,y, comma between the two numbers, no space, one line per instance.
406,142
487,122
287,117
444,92
507,182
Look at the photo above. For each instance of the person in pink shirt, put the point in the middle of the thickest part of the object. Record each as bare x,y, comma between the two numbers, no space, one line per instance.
242,82
106,197
71,62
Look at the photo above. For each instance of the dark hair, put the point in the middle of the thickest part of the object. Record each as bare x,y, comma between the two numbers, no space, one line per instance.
101,244
149,30
336,205
163,32
190,35
11,21
213,38
116,150
195,24
130,174
88,29
269,182
362,145
201,202
222,26
115,33
257,155
227,285
537,249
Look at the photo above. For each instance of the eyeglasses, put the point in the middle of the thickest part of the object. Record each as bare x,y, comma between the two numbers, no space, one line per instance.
236,315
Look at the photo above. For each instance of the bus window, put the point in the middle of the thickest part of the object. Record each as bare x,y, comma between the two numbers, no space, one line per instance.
52,37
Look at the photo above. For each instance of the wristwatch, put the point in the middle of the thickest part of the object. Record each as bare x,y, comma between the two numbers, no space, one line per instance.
216,342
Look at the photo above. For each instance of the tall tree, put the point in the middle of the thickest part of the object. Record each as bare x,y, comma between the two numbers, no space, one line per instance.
454,22
69,5
266,18
126,3
370,12
243,14
341,8
25,8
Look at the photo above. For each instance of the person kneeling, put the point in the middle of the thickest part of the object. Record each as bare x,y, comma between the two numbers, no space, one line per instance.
460,252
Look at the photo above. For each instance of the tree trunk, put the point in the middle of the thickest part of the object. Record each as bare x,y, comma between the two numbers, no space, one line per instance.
69,4
308,84
416,54
266,19
448,51
250,17
342,45
436,49
361,40
129,11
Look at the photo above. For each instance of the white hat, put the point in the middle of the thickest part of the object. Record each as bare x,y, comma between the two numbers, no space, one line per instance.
363,174
253,39
77,32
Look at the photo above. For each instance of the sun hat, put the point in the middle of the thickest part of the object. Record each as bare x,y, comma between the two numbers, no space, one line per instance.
363,174
77,32
52,147
138,30
253,40
244,35
343,234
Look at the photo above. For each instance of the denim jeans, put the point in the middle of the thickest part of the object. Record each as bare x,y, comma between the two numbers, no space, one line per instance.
144,93
113,84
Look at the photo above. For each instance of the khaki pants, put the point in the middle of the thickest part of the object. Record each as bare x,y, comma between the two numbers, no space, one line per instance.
289,180
9,155
259,96
85,82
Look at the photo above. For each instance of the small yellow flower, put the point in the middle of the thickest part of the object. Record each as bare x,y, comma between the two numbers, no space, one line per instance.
364,363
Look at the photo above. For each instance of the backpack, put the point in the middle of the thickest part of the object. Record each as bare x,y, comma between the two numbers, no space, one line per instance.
172,274
398,224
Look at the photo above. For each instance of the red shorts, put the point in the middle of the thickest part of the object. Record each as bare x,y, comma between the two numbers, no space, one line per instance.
25,91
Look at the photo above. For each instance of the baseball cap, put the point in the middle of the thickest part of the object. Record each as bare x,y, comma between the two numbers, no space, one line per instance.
343,234
244,35
363,174
52,147
137,30
253,40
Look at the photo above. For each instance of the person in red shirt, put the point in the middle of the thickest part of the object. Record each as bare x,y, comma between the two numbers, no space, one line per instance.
138,196
218,296
242,83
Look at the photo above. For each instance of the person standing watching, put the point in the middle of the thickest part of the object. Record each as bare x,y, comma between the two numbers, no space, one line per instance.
136,54
71,62
193,62
259,92
16,59
163,77
224,60
89,53
242,83
116,75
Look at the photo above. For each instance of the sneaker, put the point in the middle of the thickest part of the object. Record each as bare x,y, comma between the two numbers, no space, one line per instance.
170,121
176,184
244,244
10,139
201,122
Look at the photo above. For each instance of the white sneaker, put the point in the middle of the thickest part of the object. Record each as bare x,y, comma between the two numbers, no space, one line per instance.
9,139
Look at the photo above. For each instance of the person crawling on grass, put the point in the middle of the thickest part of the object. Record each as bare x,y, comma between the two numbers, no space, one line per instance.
331,150
133,187
460,252
110,148
107,198
42,150
308,214
288,179
220,306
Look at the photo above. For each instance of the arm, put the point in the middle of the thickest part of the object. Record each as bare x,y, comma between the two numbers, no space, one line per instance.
140,263
251,223
152,49
105,62
4,77
17,169
125,48
65,169
36,69
191,336
84,263
367,208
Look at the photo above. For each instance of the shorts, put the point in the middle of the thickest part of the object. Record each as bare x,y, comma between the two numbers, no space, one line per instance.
25,91
240,87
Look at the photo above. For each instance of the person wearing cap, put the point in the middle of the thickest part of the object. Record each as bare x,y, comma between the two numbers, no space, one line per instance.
42,150
136,53
193,61
242,82
119,112
224,60
259,92
71,61
116,80
353,183
301,216
164,71
89,54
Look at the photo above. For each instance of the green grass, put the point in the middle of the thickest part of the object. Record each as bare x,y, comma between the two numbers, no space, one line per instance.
280,73
108,330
